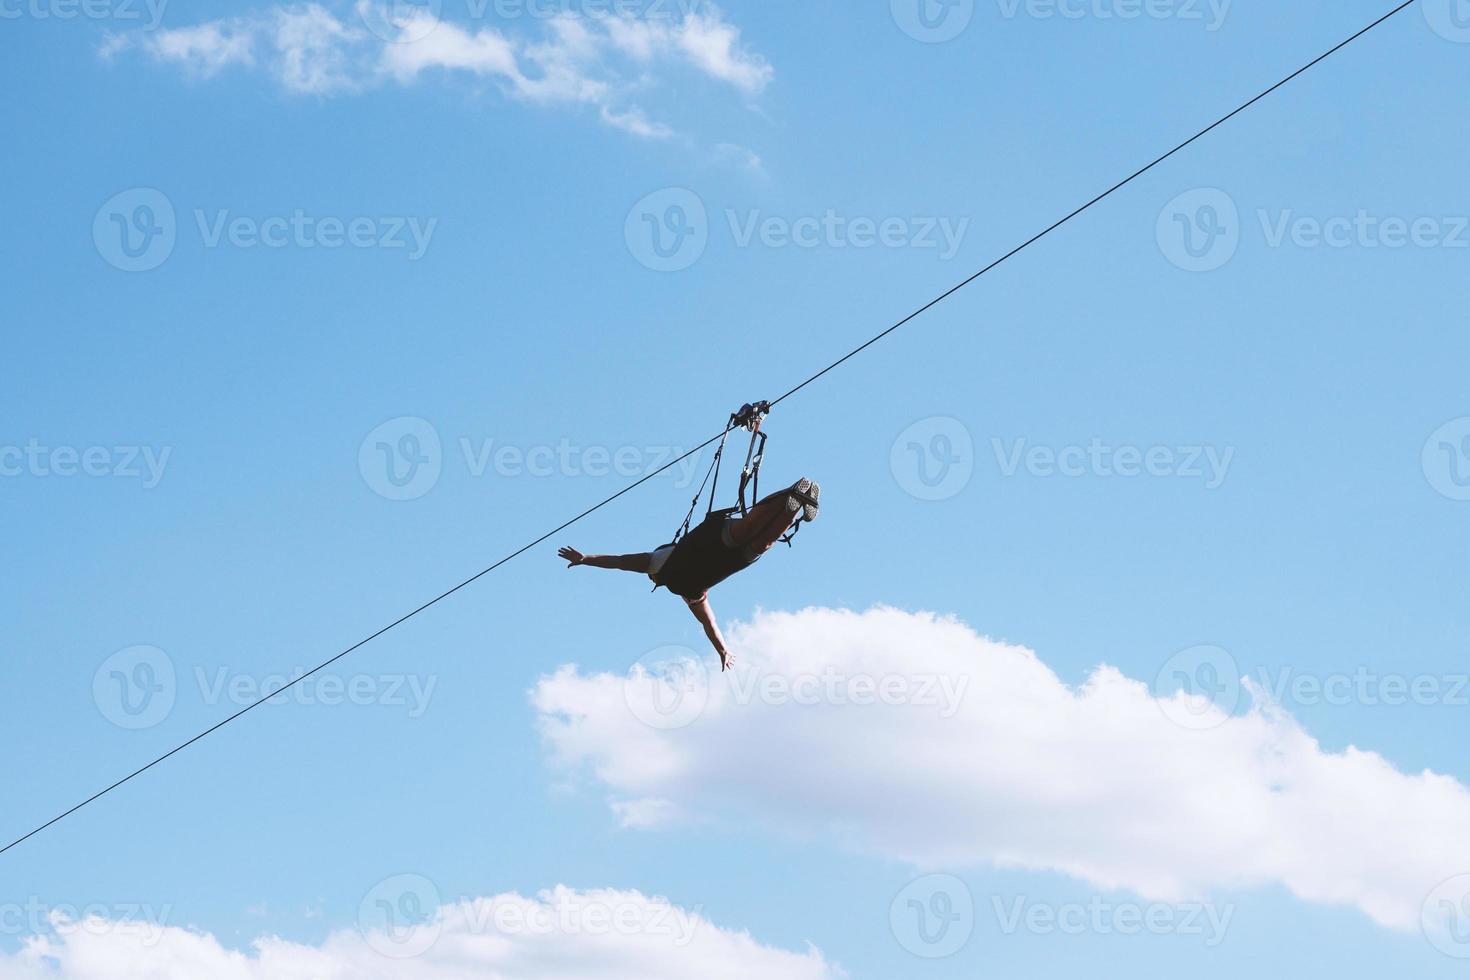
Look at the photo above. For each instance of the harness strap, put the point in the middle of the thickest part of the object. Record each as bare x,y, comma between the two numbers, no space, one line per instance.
786,538
749,417
713,471
750,475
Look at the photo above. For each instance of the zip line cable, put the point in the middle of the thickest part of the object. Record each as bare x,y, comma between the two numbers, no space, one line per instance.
699,448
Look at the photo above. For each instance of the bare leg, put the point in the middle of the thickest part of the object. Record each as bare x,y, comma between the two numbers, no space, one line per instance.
764,524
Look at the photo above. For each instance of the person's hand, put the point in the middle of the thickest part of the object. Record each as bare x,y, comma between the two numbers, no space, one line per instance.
727,661
572,556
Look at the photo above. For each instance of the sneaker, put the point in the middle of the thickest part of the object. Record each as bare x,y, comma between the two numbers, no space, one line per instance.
805,494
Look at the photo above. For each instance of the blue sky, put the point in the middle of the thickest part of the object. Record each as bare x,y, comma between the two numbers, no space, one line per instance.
1296,375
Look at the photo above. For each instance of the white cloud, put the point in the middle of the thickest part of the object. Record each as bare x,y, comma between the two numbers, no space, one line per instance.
743,156
590,935
714,46
596,60
314,50
206,49
1011,767
704,40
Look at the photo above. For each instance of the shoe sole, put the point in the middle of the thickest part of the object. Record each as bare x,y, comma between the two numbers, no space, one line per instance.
806,494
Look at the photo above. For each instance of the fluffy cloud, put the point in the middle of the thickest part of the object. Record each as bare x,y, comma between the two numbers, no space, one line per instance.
910,736
602,61
562,933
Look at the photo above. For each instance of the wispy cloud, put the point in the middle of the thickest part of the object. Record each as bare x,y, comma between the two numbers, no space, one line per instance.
1009,765
604,61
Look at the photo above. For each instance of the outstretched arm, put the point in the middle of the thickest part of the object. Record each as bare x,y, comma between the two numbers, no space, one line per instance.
622,563
706,616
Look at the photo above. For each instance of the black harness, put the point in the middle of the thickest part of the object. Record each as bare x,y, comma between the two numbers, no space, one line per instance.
701,559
